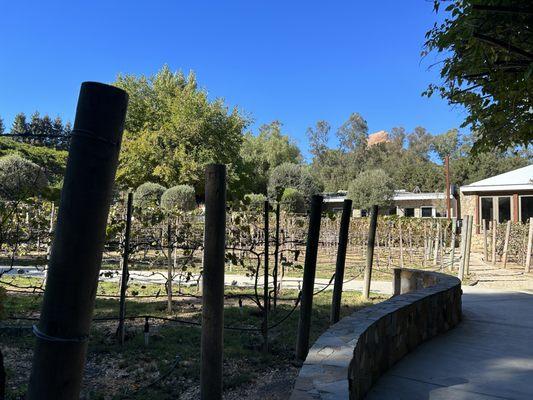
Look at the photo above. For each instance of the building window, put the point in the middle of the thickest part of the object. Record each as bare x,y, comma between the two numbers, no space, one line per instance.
504,209
364,213
486,208
526,208
427,211
409,212
498,208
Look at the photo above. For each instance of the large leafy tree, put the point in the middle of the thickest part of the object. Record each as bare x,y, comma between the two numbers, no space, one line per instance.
173,130
263,152
487,67
372,187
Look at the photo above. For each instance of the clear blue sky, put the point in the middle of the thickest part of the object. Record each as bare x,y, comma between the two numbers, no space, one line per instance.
295,61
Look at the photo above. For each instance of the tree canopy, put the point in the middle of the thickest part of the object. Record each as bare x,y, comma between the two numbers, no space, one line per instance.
20,178
173,130
487,66
372,187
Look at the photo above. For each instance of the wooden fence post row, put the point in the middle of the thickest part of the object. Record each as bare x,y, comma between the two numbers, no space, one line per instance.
76,255
306,304
213,283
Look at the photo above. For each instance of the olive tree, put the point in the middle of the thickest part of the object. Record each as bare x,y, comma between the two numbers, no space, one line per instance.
20,178
178,198
371,187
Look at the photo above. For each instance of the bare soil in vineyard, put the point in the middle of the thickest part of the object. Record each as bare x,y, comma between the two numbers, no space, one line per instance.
114,372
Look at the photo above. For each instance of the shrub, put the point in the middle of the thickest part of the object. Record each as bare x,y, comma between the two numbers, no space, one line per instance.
255,201
293,201
148,195
288,175
372,187
20,178
178,198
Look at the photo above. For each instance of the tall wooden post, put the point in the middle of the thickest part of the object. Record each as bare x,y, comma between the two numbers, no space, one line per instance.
401,242
74,267
265,284
370,251
464,246
506,243
169,266
485,244
468,244
341,261
125,270
494,236
276,257
529,245
447,172
306,304
212,343
452,242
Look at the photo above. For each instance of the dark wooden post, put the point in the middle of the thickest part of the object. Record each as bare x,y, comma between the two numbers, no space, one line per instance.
169,265
276,258
68,303
125,271
265,287
306,305
341,261
370,251
213,283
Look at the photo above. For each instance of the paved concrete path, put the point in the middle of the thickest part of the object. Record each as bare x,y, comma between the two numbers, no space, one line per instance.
488,356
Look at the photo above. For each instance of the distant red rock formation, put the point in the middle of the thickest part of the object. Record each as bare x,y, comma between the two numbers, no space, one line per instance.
378,137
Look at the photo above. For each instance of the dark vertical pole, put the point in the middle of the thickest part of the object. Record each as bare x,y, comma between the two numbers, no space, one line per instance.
125,271
370,251
276,258
68,303
306,306
265,288
169,266
448,204
341,261
213,283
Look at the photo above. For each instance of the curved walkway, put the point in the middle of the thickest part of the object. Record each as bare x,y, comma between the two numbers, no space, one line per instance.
488,356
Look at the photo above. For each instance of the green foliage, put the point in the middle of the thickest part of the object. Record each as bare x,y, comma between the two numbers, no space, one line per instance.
148,195
264,152
487,50
179,198
295,176
51,160
20,178
293,201
173,130
255,201
372,187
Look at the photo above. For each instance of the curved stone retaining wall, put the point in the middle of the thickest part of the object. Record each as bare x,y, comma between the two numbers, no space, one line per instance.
350,356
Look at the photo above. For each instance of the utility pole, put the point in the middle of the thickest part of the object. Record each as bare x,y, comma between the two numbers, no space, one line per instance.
75,260
447,171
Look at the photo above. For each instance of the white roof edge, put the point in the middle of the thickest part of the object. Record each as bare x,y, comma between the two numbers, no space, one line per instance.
495,188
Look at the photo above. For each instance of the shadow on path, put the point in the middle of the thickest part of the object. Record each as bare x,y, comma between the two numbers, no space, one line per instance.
488,356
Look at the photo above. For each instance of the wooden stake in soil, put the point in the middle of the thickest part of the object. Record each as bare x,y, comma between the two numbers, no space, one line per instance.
306,304
169,267
401,242
529,245
452,243
494,233
485,244
276,257
213,283
125,270
468,245
370,251
341,261
506,243
69,297
265,284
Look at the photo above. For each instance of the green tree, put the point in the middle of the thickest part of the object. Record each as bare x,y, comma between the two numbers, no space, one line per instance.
20,126
446,144
293,201
487,50
318,138
173,130
419,141
353,133
20,178
179,198
264,152
2,127
372,187
295,176
148,195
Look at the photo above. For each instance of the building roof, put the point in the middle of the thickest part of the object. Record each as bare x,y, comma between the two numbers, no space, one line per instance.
518,179
399,195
